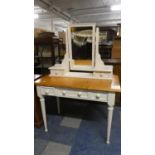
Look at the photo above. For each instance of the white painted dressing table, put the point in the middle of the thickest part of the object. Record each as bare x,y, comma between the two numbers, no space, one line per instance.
79,88
80,79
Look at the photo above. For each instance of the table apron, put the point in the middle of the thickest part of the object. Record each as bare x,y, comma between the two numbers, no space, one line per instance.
73,93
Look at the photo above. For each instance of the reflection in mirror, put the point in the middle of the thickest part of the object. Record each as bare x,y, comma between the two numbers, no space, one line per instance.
81,45
83,62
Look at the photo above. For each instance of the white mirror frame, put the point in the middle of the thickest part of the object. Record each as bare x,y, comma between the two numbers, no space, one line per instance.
98,70
71,61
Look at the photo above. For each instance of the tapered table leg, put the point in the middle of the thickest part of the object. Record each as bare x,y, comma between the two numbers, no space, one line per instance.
109,122
43,110
111,102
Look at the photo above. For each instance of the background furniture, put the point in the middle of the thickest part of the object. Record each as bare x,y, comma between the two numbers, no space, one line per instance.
47,53
116,50
105,51
38,121
105,48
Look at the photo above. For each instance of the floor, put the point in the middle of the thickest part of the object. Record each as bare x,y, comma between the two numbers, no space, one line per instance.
79,130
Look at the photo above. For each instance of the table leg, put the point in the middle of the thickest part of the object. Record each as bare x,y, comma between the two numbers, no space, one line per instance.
43,110
111,102
110,114
58,104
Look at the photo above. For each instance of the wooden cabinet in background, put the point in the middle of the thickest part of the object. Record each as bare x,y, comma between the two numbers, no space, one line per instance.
116,49
38,121
117,71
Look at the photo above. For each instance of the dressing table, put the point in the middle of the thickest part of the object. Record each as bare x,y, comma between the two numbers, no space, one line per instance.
85,79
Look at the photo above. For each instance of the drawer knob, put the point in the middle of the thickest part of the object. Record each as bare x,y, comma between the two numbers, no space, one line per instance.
97,96
63,93
79,94
46,92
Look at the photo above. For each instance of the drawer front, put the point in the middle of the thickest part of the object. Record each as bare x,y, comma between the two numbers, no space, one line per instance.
56,73
47,91
70,93
78,94
103,75
98,96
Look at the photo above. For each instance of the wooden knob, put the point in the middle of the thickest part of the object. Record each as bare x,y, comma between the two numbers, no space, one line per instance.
64,93
97,96
46,92
79,94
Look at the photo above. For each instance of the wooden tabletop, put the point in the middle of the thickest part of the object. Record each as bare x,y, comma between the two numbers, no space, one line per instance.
80,83
37,76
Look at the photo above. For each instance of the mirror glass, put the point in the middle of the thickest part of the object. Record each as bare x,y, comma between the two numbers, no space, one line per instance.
82,46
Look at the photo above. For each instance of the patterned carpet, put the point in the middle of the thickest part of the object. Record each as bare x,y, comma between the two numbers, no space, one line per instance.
79,130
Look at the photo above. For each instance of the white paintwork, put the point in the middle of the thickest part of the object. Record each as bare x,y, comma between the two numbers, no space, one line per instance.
73,93
43,110
80,67
109,122
99,96
88,75
111,102
78,74
99,71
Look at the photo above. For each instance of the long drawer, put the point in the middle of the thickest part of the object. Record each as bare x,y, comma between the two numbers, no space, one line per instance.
71,93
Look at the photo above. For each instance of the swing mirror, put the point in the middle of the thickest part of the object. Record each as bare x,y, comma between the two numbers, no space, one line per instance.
82,46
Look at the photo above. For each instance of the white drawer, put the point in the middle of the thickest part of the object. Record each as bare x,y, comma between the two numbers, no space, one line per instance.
78,94
47,91
102,75
98,96
56,73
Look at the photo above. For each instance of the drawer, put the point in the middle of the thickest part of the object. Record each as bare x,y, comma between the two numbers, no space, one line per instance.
72,93
98,96
57,72
102,75
47,91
